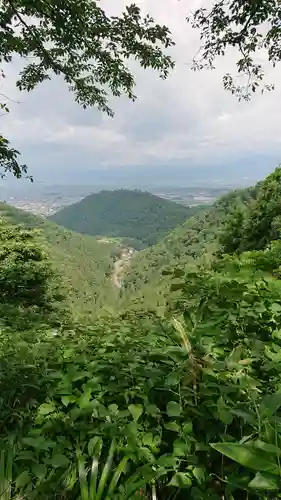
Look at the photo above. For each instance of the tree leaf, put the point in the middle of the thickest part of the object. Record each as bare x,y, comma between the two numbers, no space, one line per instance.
173,409
264,481
59,460
66,400
46,408
200,474
39,470
172,426
136,411
23,479
248,456
181,480
270,404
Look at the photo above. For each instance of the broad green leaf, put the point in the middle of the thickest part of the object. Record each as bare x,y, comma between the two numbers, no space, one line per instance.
172,426
39,470
39,443
181,480
59,460
264,481
276,308
200,474
136,411
66,400
172,379
187,428
173,409
22,480
113,408
180,448
46,408
270,404
152,410
248,456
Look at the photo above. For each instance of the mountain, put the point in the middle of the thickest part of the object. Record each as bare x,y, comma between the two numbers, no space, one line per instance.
84,263
147,282
140,217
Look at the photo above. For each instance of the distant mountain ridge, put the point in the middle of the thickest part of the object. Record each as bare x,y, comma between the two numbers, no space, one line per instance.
140,217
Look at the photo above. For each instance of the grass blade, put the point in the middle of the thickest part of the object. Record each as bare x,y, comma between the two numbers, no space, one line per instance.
97,447
83,478
106,471
120,469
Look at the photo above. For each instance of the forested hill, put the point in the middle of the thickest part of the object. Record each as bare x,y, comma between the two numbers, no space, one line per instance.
84,264
140,217
189,244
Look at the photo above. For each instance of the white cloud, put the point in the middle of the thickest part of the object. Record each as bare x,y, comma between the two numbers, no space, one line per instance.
188,119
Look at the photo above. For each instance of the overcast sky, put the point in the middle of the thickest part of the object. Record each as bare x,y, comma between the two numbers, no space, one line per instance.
185,121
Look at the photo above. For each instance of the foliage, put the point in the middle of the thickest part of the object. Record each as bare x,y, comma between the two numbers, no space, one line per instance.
84,45
186,405
256,222
84,264
9,159
140,216
28,285
250,27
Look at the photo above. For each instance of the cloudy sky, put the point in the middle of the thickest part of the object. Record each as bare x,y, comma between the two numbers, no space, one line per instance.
185,123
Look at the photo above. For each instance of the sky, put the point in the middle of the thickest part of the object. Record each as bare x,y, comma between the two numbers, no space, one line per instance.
181,130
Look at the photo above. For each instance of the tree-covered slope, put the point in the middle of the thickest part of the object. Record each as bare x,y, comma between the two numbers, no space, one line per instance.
192,242
138,216
84,263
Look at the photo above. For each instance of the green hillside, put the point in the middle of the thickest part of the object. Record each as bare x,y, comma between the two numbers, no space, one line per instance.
147,281
83,263
140,218
176,394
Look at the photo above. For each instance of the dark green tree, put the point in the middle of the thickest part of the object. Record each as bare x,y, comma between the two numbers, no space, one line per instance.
82,44
25,271
250,26
257,224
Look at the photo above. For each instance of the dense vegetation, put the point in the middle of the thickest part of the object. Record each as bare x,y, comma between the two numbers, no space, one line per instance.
139,217
84,264
184,405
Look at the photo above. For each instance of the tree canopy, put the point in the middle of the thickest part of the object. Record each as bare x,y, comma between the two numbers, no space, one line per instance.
84,45
252,27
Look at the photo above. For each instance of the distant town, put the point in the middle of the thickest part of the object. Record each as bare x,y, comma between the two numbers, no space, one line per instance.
45,201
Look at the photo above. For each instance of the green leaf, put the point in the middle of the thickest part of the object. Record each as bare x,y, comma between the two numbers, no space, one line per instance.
223,412
180,448
59,460
181,480
264,481
200,474
39,470
172,426
22,480
136,411
66,400
276,308
187,428
248,456
270,404
173,409
172,379
152,410
46,408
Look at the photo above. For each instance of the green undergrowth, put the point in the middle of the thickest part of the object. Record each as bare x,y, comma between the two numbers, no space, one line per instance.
173,406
